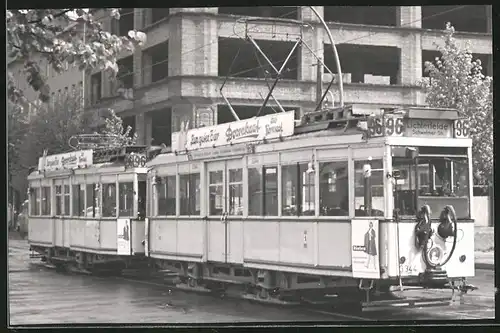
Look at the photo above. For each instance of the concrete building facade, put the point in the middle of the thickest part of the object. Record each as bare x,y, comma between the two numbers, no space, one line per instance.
177,75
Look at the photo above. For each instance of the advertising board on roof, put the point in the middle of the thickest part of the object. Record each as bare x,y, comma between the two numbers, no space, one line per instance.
72,160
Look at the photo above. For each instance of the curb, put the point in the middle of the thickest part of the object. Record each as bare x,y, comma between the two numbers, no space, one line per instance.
482,265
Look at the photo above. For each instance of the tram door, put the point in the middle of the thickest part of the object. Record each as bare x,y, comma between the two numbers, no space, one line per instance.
225,208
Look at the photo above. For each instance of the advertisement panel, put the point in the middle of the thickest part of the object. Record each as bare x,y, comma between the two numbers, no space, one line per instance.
123,246
248,130
365,249
72,160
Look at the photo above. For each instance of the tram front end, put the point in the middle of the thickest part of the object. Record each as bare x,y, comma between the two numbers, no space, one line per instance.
430,235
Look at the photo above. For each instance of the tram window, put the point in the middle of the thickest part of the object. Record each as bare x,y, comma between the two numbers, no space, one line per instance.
109,200
35,201
59,202
78,200
141,199
375,194
445,177
67,200
404,186
297,190
126,199
263,191
333,189
93,205
216,193
255,191
45,200
235,192
190,194
166,196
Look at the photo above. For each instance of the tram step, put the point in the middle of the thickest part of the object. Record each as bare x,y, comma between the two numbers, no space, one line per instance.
405,303
256,298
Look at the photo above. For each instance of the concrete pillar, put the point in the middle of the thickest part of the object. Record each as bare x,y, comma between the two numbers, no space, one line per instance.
489,68
140,128
314,39
409,16
138,25
148,127
175,46
307,15
489,19
146,70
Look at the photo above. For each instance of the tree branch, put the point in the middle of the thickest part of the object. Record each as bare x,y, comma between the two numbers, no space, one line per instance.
56,15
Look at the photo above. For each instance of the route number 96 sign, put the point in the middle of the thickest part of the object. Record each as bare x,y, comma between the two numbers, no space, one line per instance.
461,128
386,126
135,161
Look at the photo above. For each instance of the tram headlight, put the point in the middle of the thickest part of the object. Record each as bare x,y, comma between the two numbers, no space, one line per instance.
435,255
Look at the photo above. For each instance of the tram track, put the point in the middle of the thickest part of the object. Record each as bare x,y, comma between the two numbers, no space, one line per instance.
472,307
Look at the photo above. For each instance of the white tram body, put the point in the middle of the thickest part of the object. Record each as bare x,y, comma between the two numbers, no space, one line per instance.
270,203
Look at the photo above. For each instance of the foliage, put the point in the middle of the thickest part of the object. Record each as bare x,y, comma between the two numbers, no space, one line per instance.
456,81
114,127
56,35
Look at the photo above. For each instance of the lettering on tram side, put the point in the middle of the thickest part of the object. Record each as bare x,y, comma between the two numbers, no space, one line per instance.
72,160
429,128
389,125
244,131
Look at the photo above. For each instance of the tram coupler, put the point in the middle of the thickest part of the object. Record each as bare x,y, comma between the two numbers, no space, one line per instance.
434,277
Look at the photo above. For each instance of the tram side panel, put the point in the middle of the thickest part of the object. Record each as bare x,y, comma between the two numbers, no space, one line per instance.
41,231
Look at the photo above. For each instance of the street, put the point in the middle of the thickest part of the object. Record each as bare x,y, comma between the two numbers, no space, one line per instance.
41,296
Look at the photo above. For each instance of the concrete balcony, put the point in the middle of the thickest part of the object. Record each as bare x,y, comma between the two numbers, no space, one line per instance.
246,91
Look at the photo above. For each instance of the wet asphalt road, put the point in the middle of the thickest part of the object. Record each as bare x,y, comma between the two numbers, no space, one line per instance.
41,296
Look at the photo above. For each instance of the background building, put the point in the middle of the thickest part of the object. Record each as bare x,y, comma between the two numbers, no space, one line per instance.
177,75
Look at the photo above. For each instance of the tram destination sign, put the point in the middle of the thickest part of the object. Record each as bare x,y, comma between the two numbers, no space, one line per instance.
396,125
73,160
429,128
243,131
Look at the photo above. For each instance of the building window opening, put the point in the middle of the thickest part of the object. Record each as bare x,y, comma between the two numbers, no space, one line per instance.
122,26
368,15
289,12
126,199
190,194
250,63
297,188
158,14
78,200
158,66
129,121
334,189
216,193
93,201
166,196
369,189
224,114
95,87
161,127
125,76
471,18
366,64
263,191
109,200
235,192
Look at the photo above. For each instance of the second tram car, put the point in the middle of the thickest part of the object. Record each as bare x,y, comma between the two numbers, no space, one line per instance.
288,211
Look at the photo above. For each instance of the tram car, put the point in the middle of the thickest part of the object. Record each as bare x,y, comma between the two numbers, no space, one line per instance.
281,210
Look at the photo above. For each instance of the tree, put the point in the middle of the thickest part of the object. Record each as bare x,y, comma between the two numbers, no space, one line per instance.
456,81
114,127
57,35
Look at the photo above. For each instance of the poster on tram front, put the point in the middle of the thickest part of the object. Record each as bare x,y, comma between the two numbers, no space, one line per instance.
123,237
365,249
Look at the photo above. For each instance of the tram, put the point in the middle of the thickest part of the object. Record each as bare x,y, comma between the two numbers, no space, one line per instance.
287,211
